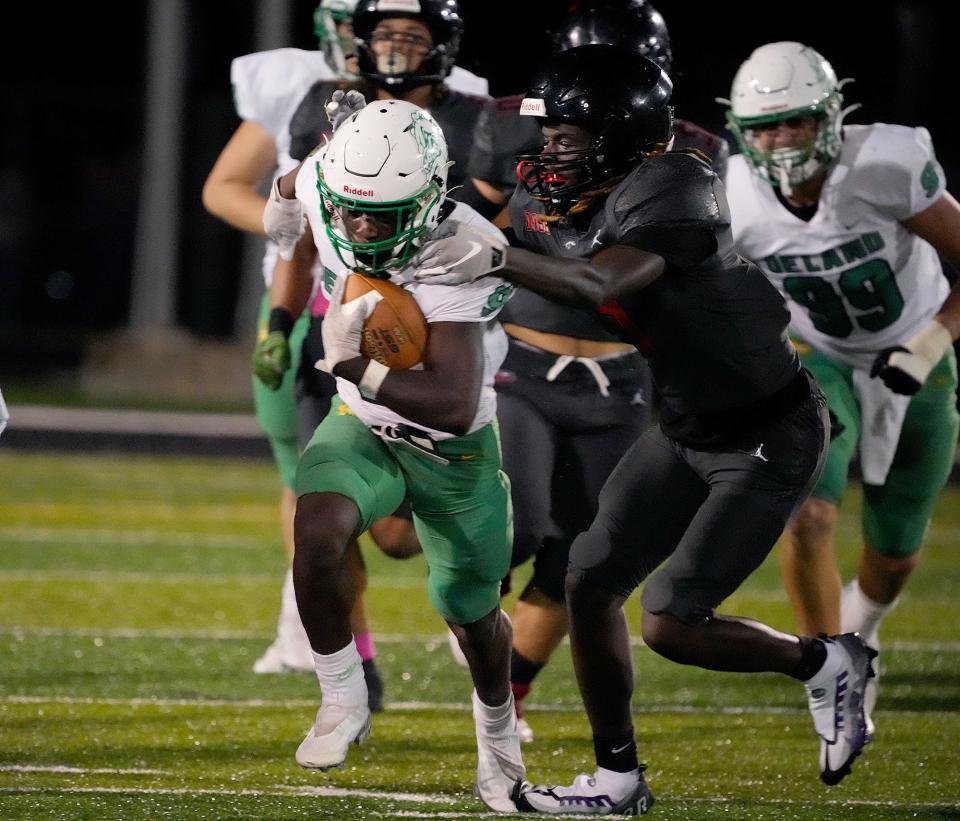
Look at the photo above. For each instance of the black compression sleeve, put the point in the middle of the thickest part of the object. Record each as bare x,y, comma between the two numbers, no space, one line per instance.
280,320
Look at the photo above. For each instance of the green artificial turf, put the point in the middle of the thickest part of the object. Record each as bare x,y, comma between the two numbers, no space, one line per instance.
135,593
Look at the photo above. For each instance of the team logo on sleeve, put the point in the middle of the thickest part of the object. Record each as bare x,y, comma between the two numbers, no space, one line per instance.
929,179
536,222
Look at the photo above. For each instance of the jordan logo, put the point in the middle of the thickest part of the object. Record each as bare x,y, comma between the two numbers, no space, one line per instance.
758,453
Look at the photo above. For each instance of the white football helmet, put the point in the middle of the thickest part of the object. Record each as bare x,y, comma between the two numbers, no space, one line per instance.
389,160
337,46
780,81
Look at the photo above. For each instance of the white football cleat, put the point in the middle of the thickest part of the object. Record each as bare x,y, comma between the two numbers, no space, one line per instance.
524,731
284,657
499,762
335,729
836,703
584,797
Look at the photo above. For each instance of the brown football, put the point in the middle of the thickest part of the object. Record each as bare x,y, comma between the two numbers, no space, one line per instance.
395,333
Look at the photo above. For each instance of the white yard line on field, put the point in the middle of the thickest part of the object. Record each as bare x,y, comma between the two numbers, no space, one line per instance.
130,538
404,706
425,798
431,641
148,578
61,770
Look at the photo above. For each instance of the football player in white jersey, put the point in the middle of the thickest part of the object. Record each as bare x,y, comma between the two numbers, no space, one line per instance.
847,222
427,434
269,88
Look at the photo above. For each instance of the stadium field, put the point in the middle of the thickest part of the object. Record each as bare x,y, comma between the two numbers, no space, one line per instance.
136,592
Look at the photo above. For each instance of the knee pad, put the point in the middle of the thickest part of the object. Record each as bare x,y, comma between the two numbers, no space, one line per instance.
550,570
525,544
663,594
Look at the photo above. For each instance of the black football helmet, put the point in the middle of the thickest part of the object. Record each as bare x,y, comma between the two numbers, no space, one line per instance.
633,25
619,97
443,19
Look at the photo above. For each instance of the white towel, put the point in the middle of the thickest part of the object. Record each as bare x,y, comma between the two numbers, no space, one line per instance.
881,417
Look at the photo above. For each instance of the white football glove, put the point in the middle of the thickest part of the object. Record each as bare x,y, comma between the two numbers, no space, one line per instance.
904,368
342,326
457,253
283,221
342,105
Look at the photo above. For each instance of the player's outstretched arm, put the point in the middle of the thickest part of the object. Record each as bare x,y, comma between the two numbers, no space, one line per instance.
458,253
231,191
584,283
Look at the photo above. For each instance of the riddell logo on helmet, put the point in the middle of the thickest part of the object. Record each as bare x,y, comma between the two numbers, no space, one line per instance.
358,192
533,107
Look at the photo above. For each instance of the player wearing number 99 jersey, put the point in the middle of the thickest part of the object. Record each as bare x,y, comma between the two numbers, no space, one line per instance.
847,221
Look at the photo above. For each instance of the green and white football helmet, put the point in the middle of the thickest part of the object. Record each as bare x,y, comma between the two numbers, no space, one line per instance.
337,46
389,160
780,81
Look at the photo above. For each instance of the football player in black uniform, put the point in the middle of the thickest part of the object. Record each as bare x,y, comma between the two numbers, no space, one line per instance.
643,239
571,395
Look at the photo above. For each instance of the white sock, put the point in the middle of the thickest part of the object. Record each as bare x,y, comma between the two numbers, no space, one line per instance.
860,614
289,627
341,677
616,784
493,720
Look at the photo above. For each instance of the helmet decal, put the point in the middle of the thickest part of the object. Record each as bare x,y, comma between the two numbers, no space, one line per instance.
423,130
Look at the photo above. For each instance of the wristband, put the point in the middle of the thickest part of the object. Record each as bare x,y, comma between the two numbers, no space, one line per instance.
280,320
372,379
931,343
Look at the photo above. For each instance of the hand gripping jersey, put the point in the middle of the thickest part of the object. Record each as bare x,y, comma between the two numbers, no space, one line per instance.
527,308
856,280
478,301
713,326
456,113
270,86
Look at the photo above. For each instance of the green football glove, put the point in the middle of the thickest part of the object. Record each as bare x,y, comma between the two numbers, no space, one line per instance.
271,358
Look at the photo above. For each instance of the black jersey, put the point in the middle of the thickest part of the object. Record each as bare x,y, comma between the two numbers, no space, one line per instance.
456,113
501,134
712,324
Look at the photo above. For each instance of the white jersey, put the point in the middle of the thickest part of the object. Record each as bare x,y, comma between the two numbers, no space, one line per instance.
268,86
855,279
478,301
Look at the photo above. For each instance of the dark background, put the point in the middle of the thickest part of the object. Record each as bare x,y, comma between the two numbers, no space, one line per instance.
73,98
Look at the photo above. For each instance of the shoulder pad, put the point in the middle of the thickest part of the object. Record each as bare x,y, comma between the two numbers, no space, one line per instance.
511,103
